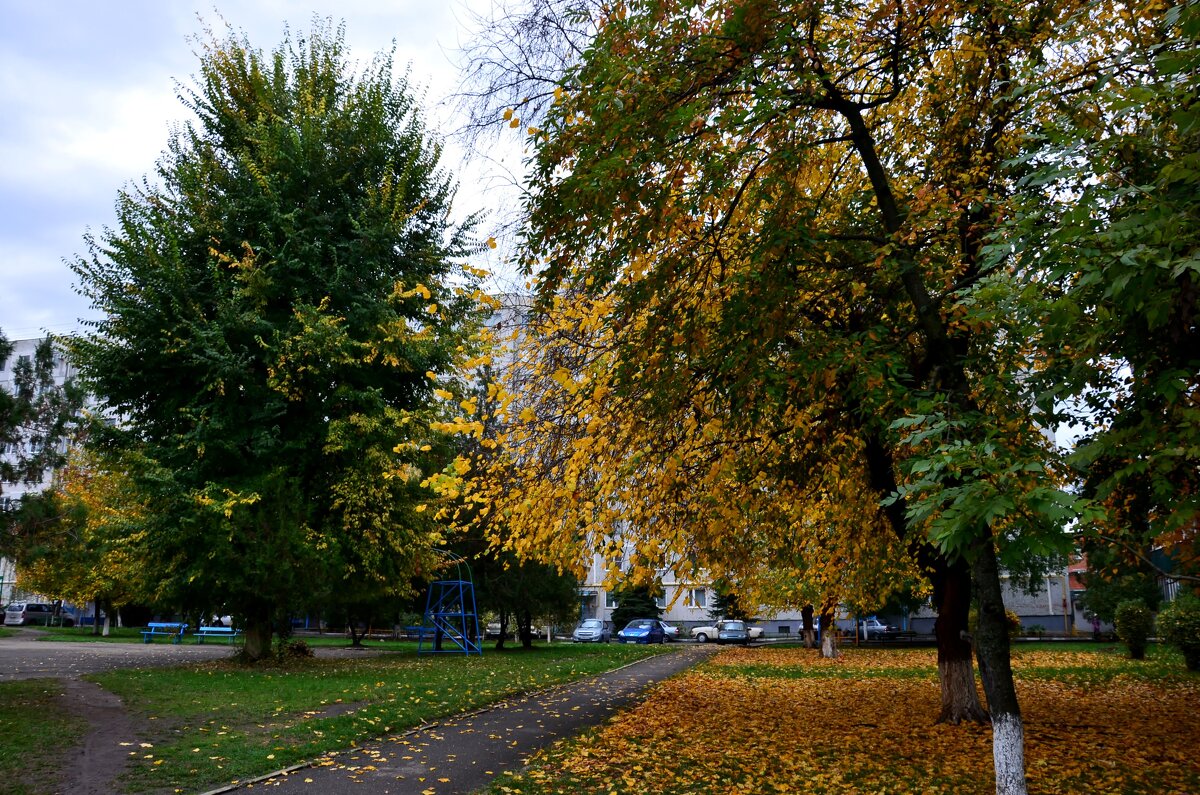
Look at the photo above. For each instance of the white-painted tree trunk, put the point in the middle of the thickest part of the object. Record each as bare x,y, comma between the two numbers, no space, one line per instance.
1008,753
828,645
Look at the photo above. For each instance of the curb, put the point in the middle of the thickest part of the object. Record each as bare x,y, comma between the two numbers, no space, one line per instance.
308,763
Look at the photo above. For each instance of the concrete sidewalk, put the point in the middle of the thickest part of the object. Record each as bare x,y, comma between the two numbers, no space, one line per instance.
465,753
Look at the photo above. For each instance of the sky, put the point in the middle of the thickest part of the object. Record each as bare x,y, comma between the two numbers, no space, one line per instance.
88,101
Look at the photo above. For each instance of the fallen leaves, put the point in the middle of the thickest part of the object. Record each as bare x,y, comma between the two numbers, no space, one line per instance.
785,720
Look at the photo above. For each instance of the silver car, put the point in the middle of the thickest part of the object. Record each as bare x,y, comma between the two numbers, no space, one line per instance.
733,632
20,614
591,630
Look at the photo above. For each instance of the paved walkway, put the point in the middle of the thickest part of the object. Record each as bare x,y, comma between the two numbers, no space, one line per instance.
465,753
24,656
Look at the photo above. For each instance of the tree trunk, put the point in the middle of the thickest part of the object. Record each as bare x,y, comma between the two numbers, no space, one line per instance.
995,668
956,671
810,635
829,649
356,637
257,638
503,630
525,627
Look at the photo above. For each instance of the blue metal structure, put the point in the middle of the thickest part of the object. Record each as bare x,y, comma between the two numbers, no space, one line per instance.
451,624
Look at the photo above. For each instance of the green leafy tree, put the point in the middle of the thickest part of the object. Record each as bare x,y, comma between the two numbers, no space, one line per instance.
1179,625
1108,209
634,601
277,308
1134,623
36,419
1112,578
726,603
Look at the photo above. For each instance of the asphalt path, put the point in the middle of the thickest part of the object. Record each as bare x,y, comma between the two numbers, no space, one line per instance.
467,752
25,656
30,655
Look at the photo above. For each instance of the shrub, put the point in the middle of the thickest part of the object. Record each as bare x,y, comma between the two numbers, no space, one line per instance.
1011,619
293,650
1179,625
1134,623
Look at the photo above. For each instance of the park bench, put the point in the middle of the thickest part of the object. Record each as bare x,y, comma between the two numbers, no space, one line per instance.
217,632
173,630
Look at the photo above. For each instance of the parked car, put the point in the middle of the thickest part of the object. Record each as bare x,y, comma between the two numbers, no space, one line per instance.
671,631
591,630
733,632
20,614
874,629
642,630
706,633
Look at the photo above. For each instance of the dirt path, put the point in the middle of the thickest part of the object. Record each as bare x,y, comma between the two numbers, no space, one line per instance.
101,758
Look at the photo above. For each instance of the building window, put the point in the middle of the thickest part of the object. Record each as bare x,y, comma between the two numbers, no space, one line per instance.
696,597
660,602
610,600
784,629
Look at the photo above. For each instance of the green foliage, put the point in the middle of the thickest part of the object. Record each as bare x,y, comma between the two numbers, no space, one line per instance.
277,308
36,418
726,604
634,601
1111,196
1179,625
1134,623
1114,576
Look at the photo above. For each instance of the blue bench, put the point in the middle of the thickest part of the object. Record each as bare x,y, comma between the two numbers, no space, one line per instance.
217,632
171,630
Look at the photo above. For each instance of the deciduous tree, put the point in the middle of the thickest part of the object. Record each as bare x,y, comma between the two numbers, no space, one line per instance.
276,307
777,229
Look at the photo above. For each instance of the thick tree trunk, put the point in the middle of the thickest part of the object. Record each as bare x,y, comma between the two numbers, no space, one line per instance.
995,668
525,627
810,635
956,670
257,638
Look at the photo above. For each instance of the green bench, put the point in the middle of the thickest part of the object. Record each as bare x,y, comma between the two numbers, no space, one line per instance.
167,629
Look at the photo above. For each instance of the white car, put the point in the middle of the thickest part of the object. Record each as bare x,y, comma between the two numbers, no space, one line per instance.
707,633
670,630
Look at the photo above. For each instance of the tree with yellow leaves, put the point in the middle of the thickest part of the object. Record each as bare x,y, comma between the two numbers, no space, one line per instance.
769,237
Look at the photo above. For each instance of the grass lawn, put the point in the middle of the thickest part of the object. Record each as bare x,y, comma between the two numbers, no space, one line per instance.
772,719
35,735
220,722
134,635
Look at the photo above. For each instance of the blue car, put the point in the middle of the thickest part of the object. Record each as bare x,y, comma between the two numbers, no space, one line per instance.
642,630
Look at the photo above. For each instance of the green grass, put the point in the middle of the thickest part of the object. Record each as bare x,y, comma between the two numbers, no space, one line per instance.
36,733
134,635
115,634
219,722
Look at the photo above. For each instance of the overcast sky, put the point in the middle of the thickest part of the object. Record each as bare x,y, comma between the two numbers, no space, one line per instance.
88,99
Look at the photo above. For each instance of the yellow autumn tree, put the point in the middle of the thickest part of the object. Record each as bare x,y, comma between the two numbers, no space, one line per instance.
83,543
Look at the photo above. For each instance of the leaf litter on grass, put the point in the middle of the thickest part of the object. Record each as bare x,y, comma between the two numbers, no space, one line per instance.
845,728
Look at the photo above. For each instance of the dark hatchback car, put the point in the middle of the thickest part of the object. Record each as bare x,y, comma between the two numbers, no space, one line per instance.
642,630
